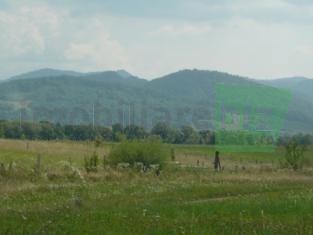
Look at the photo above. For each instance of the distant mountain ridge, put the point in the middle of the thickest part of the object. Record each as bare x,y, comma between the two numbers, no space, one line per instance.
186,97
48,72
285,82
299,85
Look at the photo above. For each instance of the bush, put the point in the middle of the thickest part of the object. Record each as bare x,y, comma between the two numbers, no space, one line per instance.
91,163
148,152
295,154
3,171
98,141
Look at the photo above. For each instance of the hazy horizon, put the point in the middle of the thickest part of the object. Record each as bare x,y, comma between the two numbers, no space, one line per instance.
260,39
147,78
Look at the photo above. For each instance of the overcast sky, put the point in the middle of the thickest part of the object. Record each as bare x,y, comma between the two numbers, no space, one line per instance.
256,38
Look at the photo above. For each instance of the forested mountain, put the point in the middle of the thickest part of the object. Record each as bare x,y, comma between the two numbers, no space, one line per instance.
187,97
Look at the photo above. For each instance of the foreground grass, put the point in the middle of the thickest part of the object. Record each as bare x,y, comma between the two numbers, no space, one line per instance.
182,200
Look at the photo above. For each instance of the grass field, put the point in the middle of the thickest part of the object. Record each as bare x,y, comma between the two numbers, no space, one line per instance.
252,195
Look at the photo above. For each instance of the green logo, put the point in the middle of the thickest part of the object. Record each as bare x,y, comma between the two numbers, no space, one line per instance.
249,117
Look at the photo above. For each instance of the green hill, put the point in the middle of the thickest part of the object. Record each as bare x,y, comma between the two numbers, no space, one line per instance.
187,97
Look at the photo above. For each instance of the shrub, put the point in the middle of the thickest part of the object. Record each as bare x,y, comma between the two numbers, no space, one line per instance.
91,163
105,161
294,154
98,141
37,167
173,154
148,152
3,170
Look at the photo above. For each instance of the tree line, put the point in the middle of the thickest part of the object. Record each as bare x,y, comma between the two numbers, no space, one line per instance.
117,133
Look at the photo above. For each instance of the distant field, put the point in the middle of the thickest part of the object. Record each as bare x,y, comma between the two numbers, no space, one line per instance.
252,195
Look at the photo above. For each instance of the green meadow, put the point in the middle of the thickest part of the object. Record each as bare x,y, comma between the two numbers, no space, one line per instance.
45,189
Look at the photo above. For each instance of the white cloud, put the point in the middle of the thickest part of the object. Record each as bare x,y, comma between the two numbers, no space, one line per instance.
35,36
258,38
292,11
304,50
94,48
240,45
100,52
21,33
182,29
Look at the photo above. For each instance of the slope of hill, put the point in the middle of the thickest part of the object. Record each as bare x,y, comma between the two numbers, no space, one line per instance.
186,97
305,88
124,73
289,83
301,86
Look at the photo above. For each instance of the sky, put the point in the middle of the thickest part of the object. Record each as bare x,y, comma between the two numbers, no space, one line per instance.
260,39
